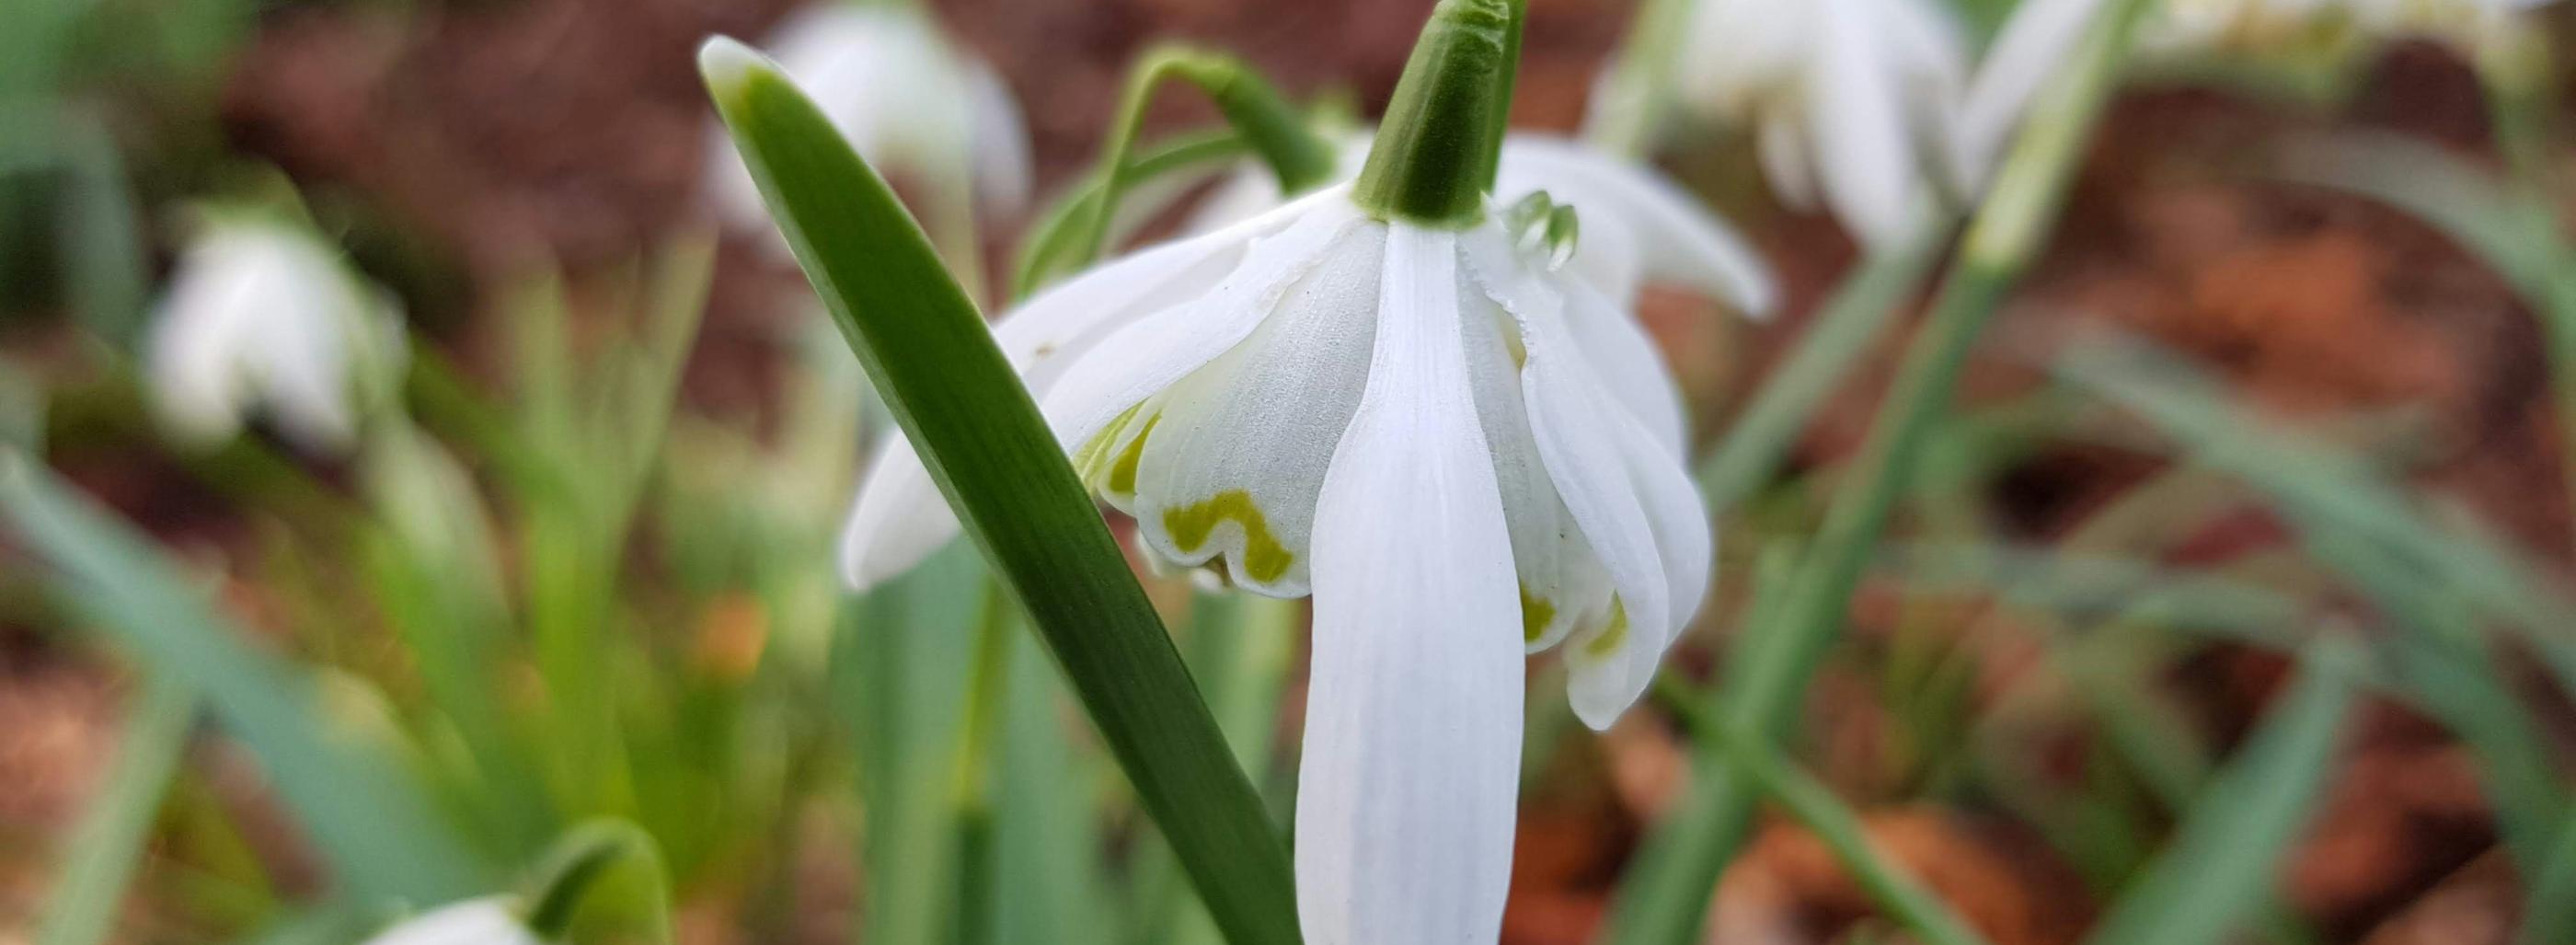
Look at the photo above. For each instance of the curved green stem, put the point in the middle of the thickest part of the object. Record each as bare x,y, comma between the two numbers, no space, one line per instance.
587,857
1273,128
1048,250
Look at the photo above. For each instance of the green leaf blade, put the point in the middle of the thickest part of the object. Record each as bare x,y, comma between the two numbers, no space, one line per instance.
979,433
2219,865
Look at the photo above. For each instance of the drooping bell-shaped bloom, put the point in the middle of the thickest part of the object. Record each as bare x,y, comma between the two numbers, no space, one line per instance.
487,921
261,314
1637,227
1849,102
2036,43
1385,395
907,98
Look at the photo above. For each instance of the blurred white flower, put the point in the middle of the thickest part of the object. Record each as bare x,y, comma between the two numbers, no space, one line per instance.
1850,101
2037,41
263,314
1637,227
1462,453
487,921
911,102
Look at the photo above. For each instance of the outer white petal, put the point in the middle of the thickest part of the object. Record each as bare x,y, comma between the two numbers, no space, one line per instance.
2031,50
486,921
899,517
1149,355
1000,140
1857,120
1673,235
1405,801
1628,362
199,389
1237,451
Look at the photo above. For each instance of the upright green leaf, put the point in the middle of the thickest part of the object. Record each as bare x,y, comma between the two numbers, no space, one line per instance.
372,821
936,366
110,841
2220,863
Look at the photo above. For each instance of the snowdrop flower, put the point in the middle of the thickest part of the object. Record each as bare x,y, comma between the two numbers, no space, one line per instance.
1849,101
486,921
1384,395
262,313
1637,226
908,100
2042,35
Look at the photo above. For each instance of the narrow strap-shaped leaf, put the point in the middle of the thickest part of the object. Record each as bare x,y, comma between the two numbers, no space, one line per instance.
1832,822
1666,904
109,843
2219,865
1866,301
376,826
936,366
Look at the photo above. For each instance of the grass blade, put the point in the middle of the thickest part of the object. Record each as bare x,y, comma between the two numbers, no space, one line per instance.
1860,308
1834,824
2219,865
1666,902
109,843
935,364
375,825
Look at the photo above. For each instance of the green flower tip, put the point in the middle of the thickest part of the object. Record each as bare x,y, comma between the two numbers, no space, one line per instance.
727,65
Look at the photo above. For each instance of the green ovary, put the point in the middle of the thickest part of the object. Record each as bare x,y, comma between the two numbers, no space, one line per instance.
1614,635
1264,558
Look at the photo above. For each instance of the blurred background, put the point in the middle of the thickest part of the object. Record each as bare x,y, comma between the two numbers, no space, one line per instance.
590,574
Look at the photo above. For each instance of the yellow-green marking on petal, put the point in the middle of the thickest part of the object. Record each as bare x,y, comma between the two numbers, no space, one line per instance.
1122,474
1536,614
1615,634
1264,558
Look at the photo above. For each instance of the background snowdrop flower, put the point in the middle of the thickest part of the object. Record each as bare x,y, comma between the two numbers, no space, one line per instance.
2035,44
486,921
264,314
1381,395
907,99
1637,226
1849,101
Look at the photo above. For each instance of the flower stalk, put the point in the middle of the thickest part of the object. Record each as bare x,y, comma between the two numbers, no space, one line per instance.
1271,127
1441,141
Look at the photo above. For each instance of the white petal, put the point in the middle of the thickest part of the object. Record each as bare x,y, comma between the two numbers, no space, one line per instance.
1629,363
1406,797
899,517
1672,235
1592,446
1860,130
2031,50
1159,349
1000,140
486,921
1562,586
1237,450
1782,148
